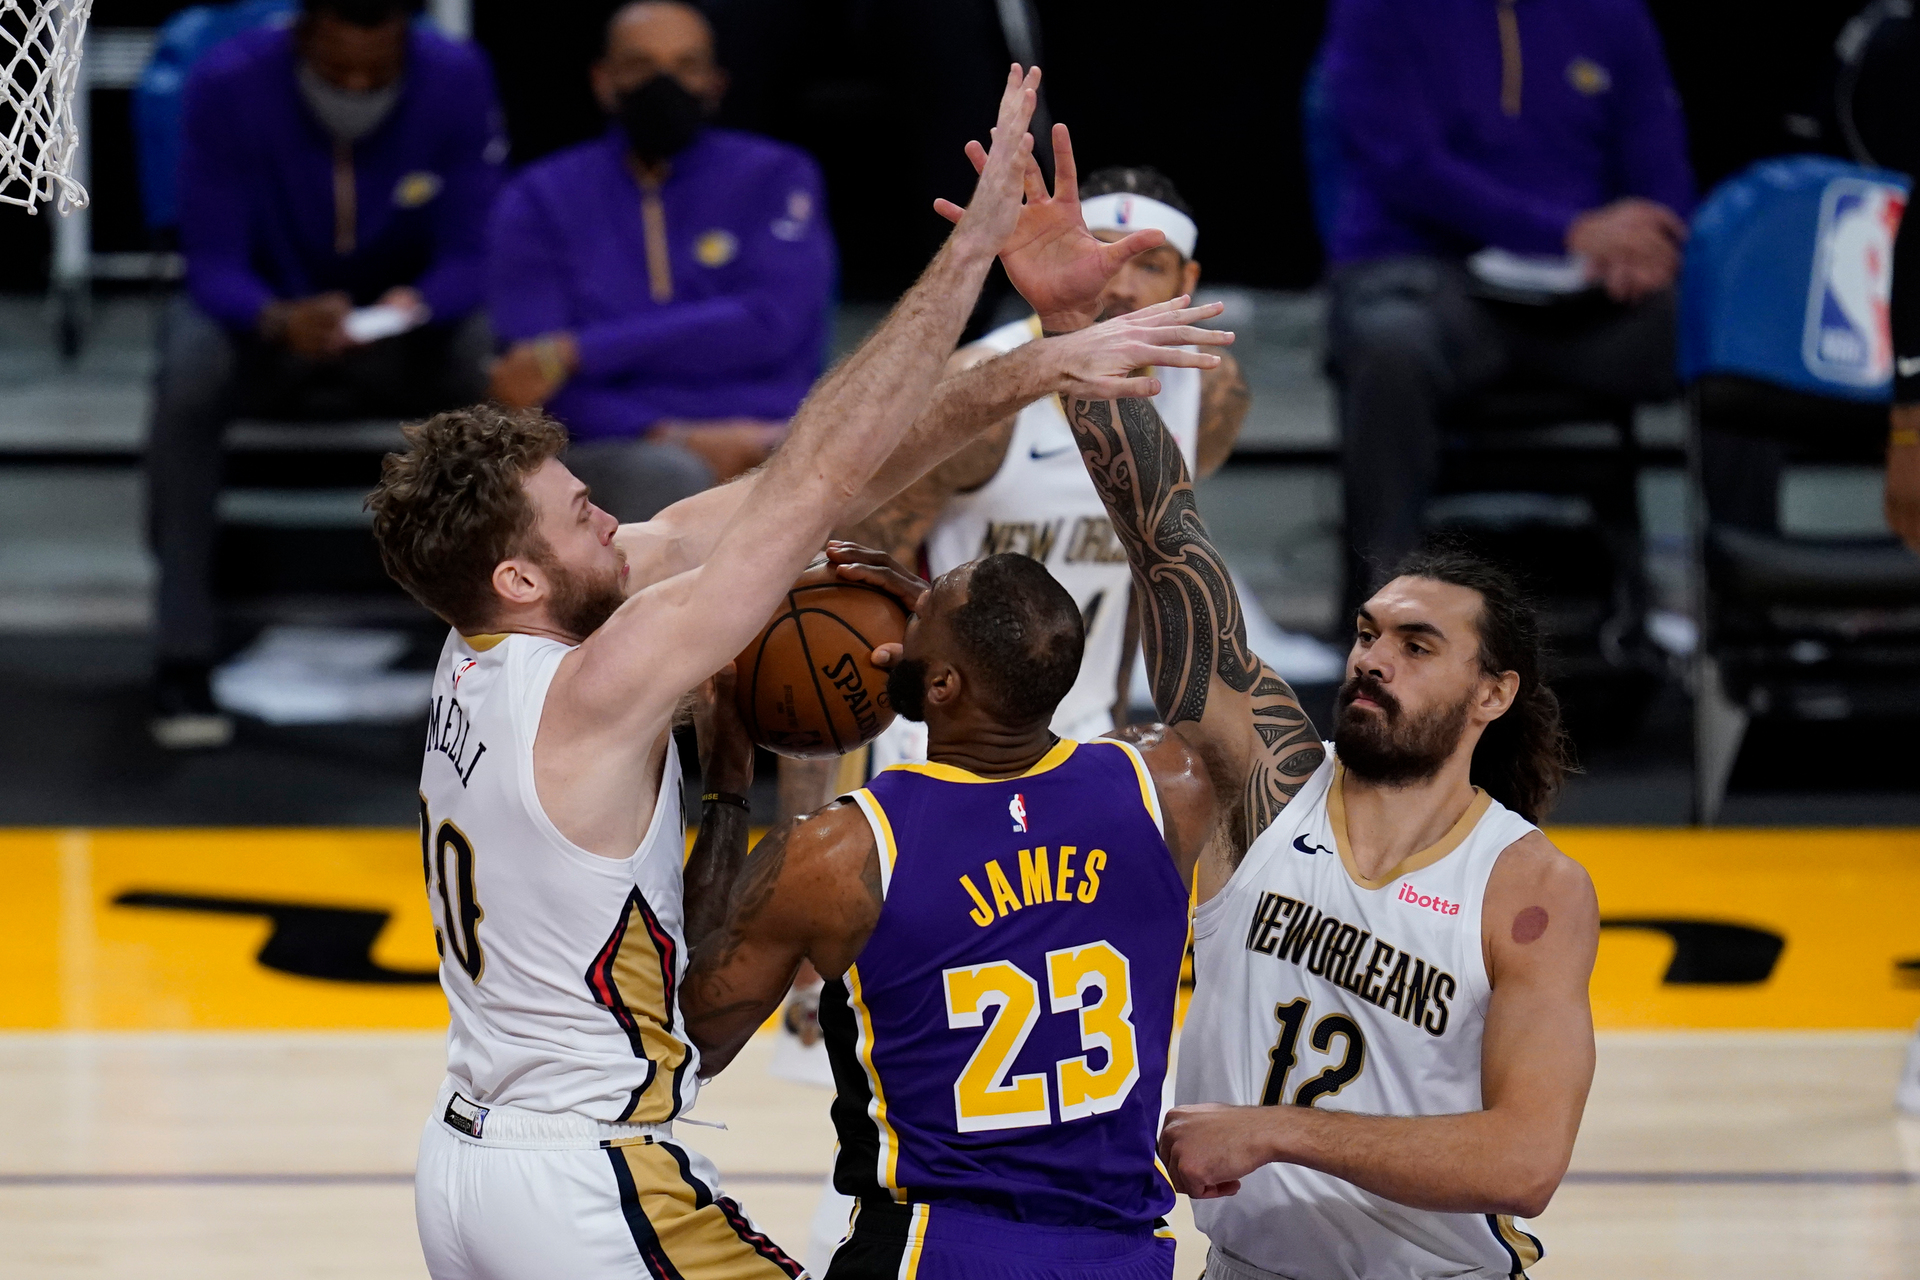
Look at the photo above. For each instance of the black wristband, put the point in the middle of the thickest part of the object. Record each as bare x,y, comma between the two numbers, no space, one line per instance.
726,797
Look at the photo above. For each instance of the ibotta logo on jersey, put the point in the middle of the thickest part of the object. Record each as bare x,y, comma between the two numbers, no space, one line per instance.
1428,901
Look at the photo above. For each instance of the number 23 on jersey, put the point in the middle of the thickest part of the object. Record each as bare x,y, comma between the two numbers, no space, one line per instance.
981,1102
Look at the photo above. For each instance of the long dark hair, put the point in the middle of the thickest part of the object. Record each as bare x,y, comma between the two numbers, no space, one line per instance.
1524,757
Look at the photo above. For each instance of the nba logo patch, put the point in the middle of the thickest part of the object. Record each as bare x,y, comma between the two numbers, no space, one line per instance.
1017,810
466,665
1847,338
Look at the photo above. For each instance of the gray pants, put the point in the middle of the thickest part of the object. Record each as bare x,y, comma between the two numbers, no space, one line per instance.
636,479
210,375
1407,337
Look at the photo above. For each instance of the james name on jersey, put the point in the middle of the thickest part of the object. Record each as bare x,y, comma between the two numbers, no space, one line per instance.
1036,885
1391,978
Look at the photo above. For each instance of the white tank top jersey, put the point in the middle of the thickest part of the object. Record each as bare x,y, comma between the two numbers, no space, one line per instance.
1042,503
560,966
1315,987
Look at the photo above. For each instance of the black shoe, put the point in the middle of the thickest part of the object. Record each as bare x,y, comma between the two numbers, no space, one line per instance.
184,717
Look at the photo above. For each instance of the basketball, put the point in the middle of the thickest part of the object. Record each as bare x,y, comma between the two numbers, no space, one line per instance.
807,686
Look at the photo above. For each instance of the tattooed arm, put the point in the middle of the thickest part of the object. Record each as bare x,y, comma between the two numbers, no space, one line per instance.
1212,690
810,890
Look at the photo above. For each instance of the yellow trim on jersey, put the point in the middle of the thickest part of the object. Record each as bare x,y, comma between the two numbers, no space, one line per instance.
1149,794
714,1238
949,773
1446,844
916,1241
1524,1246
877,819
485,641
1033,327
889,1170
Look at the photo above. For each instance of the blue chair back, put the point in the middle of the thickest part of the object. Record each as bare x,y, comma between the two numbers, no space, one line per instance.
1320,138
1788,276
184,39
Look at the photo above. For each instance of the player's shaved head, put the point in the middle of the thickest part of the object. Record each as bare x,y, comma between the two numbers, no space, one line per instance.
1010,630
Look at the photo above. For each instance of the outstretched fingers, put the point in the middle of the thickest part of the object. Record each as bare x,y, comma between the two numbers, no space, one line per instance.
1066,178
1036,183
1115,255
1173,357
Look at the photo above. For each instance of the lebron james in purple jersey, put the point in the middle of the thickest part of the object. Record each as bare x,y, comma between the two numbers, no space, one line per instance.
1006,924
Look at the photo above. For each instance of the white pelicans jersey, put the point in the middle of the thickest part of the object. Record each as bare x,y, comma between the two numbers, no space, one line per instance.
560,966
1041,503
1313,987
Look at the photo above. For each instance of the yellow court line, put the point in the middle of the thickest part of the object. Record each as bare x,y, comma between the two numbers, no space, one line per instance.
1843,904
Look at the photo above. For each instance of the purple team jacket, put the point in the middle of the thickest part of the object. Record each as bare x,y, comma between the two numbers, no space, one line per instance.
1433,164
260,214
752,265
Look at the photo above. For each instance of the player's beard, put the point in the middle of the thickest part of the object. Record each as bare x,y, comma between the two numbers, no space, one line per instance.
581,602
1389,747
907,688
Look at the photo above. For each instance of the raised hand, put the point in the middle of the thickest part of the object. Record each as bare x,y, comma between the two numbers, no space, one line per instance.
994,212
1058,266
1108,361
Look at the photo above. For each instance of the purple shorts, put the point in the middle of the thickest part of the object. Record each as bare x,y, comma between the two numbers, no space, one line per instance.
944,1242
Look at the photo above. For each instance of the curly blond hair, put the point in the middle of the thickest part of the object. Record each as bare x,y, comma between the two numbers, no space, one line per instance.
454,505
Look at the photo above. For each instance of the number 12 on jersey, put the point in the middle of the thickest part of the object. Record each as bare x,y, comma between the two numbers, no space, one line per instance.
1280,1059
982,1103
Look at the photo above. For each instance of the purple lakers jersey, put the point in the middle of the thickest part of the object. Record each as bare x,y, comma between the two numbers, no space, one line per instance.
1002,1038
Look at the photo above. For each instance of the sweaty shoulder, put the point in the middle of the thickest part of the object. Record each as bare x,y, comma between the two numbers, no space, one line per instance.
833,845
829,871
1180,778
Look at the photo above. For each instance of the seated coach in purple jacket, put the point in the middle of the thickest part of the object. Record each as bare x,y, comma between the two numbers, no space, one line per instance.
1546,129
343,165
664,288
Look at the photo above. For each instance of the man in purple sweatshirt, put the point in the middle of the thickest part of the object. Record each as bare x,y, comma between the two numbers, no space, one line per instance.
336,177
1546,129
664,288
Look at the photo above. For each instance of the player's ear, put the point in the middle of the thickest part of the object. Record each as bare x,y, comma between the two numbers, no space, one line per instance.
944,684
1190,276
518,582
1497,693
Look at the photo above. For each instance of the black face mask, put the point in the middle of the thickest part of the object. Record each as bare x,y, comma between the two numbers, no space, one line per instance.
660,118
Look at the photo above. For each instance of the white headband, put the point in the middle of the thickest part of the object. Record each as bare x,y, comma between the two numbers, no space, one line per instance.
1125,211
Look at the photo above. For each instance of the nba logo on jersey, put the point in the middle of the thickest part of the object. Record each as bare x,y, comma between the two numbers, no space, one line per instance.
1017,809
466,665
1847,337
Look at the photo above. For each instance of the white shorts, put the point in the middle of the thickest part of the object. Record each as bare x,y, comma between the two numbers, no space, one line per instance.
516,1200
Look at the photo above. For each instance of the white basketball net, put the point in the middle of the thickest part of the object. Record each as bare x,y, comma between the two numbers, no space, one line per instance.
40,49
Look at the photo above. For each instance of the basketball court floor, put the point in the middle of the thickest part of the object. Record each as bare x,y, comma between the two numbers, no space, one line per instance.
220,1045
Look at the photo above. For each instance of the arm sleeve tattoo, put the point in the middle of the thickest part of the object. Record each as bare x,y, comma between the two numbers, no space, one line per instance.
1191,623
